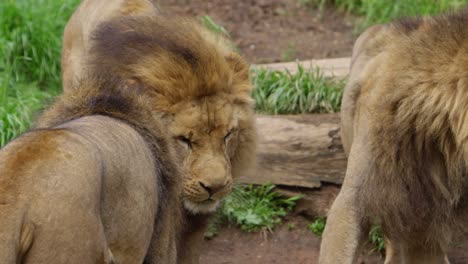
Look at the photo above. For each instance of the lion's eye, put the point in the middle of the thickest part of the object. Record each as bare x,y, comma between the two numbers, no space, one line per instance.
228,136
185,141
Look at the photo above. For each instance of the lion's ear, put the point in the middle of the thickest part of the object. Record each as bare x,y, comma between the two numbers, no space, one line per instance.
134,84
238,66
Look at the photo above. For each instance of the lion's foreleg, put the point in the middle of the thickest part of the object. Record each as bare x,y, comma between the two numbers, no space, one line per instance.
346,229
344,233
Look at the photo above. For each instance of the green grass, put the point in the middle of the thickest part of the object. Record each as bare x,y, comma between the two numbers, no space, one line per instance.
376,239
291,226
30,51
318,226
255,208
307,91
31,40
213,26
375,236
289,54
17,111
381,11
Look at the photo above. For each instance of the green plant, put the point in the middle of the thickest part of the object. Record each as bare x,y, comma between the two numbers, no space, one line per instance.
378,11
375,234
17,110
376,238
318,226
30,49
215,224
319,4
291,226
213,26
219,30
31,40
255,208
307,91
289,54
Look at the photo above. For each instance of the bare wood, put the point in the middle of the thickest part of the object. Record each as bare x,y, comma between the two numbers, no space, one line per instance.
338,67
298,150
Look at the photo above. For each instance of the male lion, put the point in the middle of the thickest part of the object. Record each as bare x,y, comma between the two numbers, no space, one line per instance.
404,126
196,85
96,183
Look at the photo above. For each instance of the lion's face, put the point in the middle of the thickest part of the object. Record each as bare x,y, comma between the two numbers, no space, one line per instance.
207,134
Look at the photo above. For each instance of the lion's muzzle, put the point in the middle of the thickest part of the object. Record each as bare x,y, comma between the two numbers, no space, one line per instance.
210,182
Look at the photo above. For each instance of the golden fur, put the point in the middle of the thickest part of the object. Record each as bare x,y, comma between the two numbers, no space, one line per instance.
404,125
97,182
195,84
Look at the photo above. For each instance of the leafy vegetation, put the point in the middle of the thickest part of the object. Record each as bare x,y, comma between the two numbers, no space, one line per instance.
255,208
291,226
307,91
375,234
17,111
376,238
318,226
373,12
30,47
378,11
213,26
31,40
289,54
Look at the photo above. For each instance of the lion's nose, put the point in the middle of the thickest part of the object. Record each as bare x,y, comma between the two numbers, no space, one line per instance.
212,188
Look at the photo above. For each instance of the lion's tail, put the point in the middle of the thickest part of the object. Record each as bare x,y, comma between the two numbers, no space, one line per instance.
16,236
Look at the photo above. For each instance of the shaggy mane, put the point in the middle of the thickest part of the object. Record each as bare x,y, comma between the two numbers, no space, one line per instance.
418,101
191,64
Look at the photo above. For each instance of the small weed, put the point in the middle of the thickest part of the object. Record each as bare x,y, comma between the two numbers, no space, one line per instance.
213,26
307,91
289,54
377,11
218,30
319,4
318,226
255,208
376,238
291,226
214,226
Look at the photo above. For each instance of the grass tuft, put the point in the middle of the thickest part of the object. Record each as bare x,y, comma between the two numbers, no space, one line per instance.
210,24
318,226
378,11
307,91
376,239
256,208
17,111
31,40
30,50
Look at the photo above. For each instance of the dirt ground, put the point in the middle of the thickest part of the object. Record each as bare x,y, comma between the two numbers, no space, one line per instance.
275,30
284,246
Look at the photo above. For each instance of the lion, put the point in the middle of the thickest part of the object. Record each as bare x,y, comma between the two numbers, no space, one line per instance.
198,87
404,130
96,182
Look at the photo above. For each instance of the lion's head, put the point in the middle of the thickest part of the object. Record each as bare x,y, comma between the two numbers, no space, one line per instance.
210,132
197,86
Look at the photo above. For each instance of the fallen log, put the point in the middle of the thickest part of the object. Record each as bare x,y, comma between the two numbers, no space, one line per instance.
298,150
